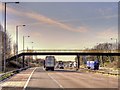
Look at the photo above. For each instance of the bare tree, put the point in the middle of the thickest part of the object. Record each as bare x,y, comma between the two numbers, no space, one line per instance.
8,46
14,48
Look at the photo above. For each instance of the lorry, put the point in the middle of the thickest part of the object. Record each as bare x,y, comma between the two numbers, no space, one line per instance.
49,63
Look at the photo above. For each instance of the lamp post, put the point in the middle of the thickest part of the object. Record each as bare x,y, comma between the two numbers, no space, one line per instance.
4,50
28,48
116,57
28,51
32,46
24,41
115,42
17,37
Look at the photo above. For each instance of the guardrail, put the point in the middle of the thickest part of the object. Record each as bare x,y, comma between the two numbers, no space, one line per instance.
11,73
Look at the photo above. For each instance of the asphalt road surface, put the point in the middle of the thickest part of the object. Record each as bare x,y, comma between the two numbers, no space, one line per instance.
63,79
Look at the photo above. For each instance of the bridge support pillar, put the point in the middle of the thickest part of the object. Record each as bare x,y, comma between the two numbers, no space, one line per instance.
102,61
23,61
78,60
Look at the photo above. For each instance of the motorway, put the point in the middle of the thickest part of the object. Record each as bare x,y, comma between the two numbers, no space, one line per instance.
70,79
62,79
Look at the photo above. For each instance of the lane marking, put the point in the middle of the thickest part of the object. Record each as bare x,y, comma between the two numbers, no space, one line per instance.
29,78
55,81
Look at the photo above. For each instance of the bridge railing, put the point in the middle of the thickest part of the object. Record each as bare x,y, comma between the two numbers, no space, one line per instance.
70,50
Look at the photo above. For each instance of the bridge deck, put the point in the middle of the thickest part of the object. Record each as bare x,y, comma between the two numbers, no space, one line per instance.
64,53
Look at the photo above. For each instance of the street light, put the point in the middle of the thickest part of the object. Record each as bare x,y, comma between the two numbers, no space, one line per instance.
115,42
4,50
31,43
27,51
32,46
24,41
17,37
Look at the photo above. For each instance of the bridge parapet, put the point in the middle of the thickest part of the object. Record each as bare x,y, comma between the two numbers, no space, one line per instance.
70,50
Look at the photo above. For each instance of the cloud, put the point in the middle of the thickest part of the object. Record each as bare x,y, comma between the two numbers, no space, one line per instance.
36,34
111,16
104,11
108,33
82,29
47,20
50,21
107,13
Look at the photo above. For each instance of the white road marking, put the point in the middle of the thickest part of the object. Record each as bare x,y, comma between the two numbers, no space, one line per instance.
29,78
55,81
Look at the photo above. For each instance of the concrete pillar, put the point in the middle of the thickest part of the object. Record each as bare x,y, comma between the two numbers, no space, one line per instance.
102,61
78,60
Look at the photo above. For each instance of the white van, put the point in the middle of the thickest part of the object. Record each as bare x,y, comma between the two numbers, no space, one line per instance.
90,64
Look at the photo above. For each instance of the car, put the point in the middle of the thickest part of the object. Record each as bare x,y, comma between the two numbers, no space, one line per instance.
61,65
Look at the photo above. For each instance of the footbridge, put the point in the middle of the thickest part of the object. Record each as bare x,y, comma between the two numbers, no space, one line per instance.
64,52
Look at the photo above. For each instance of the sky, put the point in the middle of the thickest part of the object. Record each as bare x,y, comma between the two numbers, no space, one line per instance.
62,25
